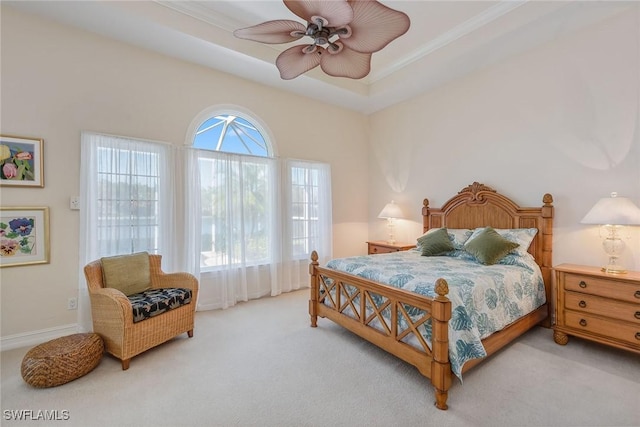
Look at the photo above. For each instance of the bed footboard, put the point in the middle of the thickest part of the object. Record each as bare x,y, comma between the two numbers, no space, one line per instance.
389,318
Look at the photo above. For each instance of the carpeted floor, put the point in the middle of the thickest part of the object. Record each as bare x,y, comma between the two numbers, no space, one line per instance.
260,364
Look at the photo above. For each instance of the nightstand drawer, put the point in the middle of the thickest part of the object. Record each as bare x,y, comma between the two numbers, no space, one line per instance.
386,247
609,288
615,329
381,250
602,306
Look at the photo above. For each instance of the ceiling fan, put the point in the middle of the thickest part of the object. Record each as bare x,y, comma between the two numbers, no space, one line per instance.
344,33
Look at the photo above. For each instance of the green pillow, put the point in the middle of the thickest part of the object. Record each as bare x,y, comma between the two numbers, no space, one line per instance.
489,247
435,242
127,273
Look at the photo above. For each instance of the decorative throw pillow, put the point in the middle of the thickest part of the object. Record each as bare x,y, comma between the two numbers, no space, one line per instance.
489,247
127,273
435,242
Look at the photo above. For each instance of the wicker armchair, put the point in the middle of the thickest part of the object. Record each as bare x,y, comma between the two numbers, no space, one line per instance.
112,312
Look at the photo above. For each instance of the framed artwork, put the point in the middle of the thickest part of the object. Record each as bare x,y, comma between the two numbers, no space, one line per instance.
21,162
24,236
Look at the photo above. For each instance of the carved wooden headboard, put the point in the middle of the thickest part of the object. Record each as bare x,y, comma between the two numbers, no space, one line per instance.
478,205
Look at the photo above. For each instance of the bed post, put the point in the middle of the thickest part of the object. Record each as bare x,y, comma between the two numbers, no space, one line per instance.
425,215
313,301
440,366
547,255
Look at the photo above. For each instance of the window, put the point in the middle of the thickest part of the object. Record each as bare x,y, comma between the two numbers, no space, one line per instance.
237,180
127,194
128,181
250,215
308,185
236,203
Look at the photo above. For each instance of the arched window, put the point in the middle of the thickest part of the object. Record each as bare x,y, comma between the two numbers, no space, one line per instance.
232,134
255,217
237,181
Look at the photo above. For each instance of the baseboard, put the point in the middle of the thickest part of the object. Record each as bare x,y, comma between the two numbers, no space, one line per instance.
29,339
212,306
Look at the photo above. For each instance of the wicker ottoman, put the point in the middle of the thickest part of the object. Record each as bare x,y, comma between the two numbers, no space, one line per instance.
61,360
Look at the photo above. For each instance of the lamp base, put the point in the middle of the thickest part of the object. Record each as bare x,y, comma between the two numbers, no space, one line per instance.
613,269
613,245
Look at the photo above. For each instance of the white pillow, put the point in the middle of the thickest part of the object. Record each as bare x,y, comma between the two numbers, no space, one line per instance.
459,237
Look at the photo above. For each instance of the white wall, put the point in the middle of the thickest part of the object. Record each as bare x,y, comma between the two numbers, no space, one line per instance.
57,81
561,119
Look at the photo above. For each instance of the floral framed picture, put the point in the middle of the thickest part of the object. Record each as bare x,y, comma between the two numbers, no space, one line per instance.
24,236
21,162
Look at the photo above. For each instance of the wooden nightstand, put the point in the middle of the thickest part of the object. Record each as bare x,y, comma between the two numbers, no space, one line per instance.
597,306
385,248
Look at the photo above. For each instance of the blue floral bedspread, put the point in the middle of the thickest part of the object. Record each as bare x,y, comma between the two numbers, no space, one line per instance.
484,299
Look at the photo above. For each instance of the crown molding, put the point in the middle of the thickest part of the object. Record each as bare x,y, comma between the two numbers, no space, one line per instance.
457,32
202,13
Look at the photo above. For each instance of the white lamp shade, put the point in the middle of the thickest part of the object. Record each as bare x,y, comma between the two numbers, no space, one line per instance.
613,211
391,210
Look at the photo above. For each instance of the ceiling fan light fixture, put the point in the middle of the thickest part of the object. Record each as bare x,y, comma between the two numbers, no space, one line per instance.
343,32
310,48
319,21
335,48
349,30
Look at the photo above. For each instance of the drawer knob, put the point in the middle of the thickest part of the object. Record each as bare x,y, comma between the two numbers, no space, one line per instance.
583,284
637,294
375,249
583,322
583,304
638,335
637,315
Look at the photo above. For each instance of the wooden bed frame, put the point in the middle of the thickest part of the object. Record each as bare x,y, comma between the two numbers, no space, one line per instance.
474,206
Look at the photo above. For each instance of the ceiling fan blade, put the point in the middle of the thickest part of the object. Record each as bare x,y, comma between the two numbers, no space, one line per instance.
346,63
295,61
374,26
336,12
272,32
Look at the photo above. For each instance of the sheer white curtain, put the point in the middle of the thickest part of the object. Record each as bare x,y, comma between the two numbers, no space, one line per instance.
238,218
308,225
191,212
243,228
126,203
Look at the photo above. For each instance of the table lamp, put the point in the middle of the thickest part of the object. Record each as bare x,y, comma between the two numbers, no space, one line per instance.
391,211
612,213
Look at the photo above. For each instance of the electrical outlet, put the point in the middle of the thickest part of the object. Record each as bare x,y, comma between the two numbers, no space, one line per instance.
74,203
72,304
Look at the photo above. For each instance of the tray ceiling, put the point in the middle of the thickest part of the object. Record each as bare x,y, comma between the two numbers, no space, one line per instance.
447,39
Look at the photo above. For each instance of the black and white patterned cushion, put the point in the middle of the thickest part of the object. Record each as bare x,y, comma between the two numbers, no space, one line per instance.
157,301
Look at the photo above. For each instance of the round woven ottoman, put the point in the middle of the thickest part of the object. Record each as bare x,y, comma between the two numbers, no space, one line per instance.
61,360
